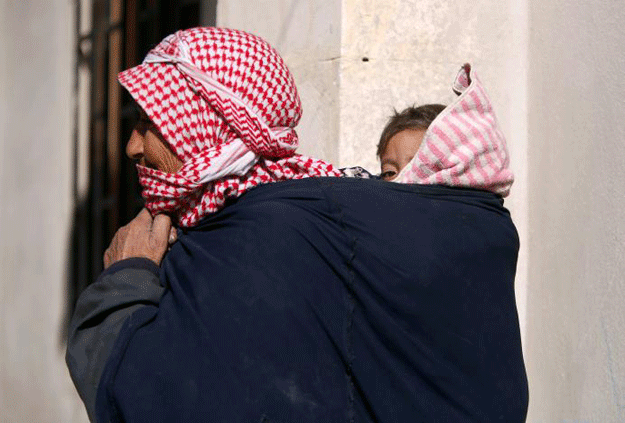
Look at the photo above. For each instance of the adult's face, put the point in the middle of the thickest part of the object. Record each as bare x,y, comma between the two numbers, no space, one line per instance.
147,146
400,150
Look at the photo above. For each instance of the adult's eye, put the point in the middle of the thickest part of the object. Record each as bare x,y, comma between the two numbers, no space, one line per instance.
144,124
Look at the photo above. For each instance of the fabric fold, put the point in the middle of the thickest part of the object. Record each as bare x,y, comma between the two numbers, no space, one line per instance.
464,146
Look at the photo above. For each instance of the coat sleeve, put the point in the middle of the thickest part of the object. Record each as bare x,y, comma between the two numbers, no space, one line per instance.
101,311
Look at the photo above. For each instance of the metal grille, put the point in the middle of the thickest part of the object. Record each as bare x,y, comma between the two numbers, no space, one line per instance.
106,190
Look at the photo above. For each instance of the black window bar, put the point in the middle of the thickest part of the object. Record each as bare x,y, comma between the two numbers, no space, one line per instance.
121,34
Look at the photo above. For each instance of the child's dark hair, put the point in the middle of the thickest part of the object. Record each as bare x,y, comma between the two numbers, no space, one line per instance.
410,118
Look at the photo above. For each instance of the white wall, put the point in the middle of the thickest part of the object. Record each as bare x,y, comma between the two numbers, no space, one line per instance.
576,300
36,74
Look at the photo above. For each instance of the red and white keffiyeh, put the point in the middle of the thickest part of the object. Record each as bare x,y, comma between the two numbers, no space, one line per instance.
227,105
463,146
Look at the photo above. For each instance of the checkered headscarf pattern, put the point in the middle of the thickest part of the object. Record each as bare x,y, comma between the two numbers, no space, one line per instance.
227,105
463,146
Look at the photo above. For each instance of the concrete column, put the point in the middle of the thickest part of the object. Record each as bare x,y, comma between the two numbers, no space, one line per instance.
36,104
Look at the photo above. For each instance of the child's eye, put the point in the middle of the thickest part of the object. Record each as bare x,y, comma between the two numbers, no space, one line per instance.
389,174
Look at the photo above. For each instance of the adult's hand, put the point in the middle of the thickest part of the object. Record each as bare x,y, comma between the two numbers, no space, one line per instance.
142,237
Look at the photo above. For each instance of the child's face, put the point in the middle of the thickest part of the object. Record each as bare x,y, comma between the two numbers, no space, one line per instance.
399,151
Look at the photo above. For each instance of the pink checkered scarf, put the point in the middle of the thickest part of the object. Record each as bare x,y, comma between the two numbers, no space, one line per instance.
227,105
463,147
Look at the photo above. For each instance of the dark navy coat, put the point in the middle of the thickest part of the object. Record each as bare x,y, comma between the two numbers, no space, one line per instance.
329,300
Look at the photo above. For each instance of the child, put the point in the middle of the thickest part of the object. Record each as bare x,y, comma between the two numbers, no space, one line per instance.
460,145
402,137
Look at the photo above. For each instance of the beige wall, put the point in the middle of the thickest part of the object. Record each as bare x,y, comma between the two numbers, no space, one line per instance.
576,299
36,73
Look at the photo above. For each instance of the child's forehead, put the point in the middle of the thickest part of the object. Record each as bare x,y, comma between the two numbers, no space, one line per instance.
407,139
403,146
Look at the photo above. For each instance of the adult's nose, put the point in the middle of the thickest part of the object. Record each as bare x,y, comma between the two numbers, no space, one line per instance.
134,148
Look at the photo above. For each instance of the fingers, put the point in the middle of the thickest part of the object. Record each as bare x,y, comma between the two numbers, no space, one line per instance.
107,258
144,216
161,226
173,235
142,237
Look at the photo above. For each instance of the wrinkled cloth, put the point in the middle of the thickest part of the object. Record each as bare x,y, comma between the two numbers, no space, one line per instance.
227,105
357,172
463,146
374,302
